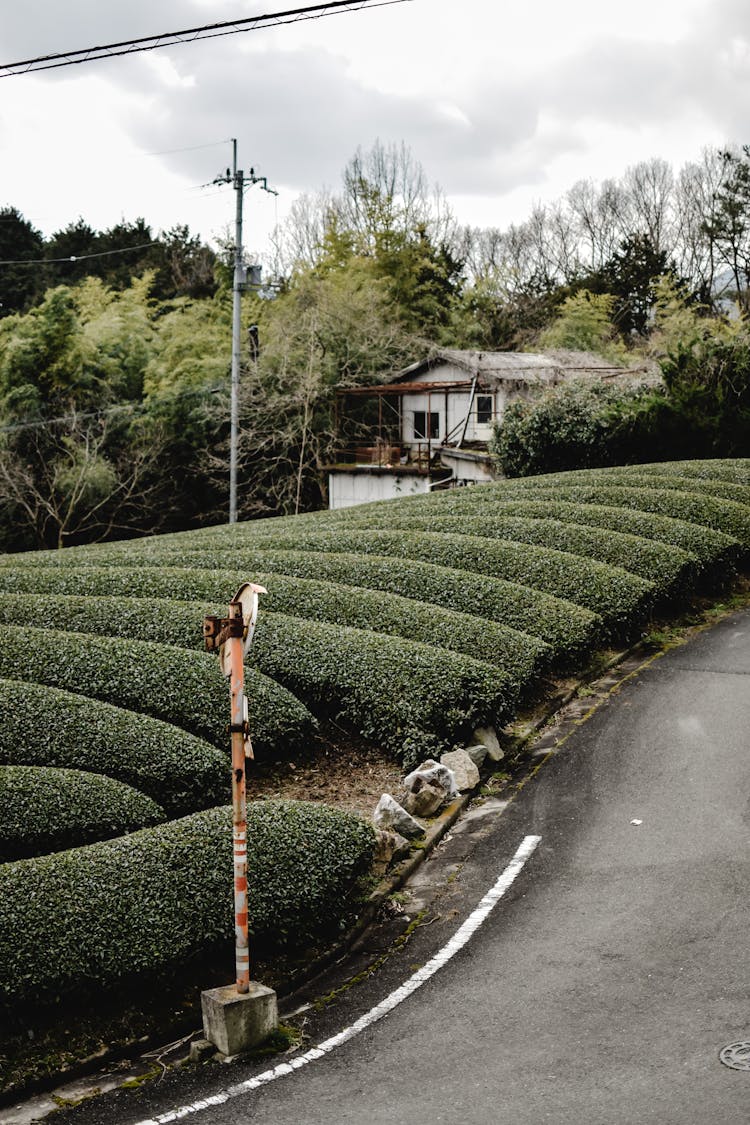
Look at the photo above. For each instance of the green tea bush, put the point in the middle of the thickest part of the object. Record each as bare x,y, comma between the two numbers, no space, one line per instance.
380,685
633,476
721,515
130,909
411,698
568,629
618,597
179,771
668,567
179,623
180,687
734,470
46,810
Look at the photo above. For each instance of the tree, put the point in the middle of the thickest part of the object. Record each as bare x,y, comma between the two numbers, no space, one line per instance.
584,323
20,243
68,481
728,224
325,332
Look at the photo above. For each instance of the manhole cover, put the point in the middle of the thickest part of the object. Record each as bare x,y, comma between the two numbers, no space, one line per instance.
736,1056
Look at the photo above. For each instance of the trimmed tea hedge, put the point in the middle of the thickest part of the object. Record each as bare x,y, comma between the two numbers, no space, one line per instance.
46,810
411,698
722,515
390,689
180,687
179,623
134,907
567,628
618,597
178,770
634,476
666,566
711,549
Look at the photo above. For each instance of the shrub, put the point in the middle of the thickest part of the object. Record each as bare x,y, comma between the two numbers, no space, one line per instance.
412,698
635,476
707,548
381,685
180,687
136,906
576,425
179,622
721,515
45,810
178,770
567,628
619,598
666,566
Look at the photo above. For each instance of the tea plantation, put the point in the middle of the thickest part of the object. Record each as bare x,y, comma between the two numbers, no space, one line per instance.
411,623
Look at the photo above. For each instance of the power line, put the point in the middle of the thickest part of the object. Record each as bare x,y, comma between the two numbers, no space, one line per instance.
75,257
123,408
189,35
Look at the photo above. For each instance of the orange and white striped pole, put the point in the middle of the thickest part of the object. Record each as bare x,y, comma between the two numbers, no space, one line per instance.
232,636
239,798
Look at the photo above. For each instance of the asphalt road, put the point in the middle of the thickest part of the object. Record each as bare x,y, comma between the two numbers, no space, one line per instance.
604,984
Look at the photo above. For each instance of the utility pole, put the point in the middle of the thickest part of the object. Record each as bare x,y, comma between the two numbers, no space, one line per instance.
237,178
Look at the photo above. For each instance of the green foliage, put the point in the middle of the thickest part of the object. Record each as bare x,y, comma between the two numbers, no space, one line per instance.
608,591
569,629
667,566
135,907
711,549
47,809
721,515
575,425
179,622
179,687
413,699
390,689
584,323
178,770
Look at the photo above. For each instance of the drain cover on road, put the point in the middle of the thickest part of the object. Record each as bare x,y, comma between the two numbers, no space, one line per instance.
736,1056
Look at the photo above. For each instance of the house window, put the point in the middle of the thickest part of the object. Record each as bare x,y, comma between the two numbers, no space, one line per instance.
484,410
420,425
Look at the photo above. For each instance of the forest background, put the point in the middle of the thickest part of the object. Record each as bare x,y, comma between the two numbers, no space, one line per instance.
115,346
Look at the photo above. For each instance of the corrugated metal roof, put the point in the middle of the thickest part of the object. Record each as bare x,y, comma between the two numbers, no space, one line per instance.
530,367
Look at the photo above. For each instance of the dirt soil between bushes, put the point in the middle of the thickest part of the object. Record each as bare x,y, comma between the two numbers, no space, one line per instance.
335,769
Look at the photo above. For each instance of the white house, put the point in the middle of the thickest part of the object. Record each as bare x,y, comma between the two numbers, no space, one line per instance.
428,426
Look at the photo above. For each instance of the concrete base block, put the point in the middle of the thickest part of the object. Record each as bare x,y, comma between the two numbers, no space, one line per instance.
237,1022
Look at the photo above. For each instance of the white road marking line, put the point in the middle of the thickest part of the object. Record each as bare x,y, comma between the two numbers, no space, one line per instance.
457,942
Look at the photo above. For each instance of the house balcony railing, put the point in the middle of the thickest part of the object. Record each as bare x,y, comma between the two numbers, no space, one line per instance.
386,455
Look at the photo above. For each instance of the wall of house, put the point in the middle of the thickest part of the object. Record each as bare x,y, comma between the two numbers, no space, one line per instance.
451,408
347,489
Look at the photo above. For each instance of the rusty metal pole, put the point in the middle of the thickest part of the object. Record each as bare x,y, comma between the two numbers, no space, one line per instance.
239,802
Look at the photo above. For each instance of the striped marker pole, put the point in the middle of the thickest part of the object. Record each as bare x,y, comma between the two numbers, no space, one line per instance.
239,802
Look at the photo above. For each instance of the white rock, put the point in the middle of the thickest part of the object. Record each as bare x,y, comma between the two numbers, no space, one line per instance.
467,774
390,814
435,774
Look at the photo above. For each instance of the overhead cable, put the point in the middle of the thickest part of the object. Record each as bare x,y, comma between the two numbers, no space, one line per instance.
189,35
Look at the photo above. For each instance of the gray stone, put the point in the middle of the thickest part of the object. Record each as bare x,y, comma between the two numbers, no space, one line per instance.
236,1021
477,753
434,773
467,774
201,1049
390,814
488,737
424,798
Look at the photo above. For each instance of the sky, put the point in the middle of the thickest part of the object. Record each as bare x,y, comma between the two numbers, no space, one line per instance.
504,104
